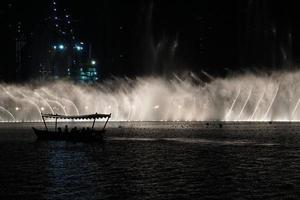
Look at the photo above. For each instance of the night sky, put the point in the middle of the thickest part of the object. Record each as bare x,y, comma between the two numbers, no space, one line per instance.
152,37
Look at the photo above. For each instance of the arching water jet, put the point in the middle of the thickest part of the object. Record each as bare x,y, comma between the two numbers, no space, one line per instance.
257,104
247,100
272,102
8,112
232,105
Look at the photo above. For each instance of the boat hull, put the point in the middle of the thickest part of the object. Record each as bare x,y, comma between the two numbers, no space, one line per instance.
86,136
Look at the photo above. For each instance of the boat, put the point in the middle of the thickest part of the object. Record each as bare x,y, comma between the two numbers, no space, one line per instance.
83,134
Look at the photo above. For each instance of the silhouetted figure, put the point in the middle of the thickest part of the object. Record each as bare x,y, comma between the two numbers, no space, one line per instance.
66,129
74,130
59,130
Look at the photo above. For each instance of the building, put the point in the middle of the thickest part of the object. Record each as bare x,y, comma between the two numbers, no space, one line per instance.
67,58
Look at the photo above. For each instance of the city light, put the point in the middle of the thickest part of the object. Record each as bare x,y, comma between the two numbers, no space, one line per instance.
55,47
79,48
93,62
61,47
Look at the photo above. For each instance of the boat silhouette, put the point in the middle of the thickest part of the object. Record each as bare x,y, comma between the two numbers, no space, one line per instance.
83,134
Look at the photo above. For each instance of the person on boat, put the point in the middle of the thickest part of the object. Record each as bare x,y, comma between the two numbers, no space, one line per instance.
66,129
74,130
59,130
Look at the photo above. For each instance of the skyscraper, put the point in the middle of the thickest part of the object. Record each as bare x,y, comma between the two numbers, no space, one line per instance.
67,58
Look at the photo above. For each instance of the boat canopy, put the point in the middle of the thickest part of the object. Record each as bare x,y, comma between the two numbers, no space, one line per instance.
92,116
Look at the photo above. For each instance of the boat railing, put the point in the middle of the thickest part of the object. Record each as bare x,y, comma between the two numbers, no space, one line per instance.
92,117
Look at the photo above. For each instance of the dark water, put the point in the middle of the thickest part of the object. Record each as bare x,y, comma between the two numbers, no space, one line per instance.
155,161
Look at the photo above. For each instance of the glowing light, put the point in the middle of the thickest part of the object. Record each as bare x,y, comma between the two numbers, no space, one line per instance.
17,108
61,47
86,107
156,107
42,108
78,48
93,62
55,47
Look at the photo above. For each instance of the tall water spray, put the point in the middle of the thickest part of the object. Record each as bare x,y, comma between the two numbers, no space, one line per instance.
242,98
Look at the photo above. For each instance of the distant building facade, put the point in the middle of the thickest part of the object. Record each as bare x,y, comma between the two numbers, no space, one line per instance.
68,57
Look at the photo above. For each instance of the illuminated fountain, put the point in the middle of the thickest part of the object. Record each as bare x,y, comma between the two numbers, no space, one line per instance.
242,98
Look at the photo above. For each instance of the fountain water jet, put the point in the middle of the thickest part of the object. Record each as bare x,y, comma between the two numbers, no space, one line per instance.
157,98
272,102
232,105
45,101
257,104
239,116
9,113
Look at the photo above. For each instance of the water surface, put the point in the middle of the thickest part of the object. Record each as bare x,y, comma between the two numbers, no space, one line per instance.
155,161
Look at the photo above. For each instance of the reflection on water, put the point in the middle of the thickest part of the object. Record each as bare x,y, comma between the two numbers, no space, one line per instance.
254,165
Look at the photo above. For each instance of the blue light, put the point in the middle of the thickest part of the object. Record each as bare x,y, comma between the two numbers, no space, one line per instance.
79,48
61,47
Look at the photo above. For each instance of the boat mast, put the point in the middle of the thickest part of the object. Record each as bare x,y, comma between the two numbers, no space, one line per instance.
56,124
44,123
106,121
93,123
